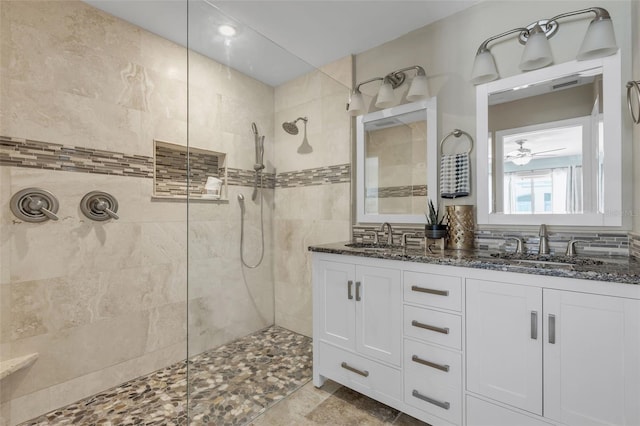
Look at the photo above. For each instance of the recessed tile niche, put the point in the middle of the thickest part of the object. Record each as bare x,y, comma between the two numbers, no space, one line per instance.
170,171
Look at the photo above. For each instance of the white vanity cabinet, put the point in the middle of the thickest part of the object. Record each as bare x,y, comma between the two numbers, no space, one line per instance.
464,346
392,331
357,319
567,356
361,308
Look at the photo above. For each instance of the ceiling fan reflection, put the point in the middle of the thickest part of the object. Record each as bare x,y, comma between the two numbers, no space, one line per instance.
522,155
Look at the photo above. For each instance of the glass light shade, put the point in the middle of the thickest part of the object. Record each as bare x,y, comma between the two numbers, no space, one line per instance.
537,51
386,97
419,89
599,41
521,161
356,104
484,68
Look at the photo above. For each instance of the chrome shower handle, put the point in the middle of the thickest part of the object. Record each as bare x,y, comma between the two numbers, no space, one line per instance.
103,206
37,204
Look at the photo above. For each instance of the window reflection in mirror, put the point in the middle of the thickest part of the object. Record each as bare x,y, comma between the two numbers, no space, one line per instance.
395,164
546,140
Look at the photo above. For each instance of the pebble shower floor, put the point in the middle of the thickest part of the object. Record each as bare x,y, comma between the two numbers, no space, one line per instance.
229,385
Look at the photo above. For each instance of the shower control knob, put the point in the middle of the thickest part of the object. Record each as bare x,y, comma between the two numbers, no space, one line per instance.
34,205
99,206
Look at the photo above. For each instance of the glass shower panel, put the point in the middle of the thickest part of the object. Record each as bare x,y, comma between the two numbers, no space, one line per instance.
93,261
242,89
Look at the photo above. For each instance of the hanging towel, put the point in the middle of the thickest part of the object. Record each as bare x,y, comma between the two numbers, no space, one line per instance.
454,175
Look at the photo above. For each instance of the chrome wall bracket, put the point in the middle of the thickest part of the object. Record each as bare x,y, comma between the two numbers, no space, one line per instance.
99,206
34,205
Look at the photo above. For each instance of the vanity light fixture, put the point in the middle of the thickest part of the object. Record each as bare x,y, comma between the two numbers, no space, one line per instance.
386,98
599,41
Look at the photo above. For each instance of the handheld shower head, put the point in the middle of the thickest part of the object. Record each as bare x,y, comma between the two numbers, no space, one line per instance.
291,127
254,128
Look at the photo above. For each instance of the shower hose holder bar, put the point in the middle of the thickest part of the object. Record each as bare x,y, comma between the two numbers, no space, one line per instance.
633,87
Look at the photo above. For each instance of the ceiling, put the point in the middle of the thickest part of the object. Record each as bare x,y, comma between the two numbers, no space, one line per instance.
277,41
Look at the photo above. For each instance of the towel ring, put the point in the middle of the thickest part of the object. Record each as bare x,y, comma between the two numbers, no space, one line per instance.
630,86
457,133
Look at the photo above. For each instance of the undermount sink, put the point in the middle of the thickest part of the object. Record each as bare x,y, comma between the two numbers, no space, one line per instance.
546,259
372,246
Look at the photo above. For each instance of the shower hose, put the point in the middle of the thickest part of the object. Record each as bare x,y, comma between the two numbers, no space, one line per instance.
241,199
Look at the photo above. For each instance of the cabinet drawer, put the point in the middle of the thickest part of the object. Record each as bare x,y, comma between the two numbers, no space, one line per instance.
432,365
366,376
483,413
441,401
432,326
439,291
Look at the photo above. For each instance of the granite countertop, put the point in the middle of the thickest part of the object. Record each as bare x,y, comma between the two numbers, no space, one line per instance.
619,269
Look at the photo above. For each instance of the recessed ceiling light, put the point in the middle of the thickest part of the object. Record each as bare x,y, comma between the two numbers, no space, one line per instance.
227,30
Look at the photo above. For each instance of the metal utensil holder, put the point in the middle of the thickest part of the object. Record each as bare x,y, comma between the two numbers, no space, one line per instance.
460,234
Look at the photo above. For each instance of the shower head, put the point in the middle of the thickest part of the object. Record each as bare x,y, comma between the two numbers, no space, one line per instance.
291,127
240,198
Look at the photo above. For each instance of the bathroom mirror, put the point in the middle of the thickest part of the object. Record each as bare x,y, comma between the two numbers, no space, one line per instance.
396,163
553,140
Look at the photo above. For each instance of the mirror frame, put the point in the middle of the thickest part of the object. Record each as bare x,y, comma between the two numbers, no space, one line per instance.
613,157
430,116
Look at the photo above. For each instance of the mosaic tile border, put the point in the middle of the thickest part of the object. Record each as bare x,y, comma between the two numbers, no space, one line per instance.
604,243
340,173
243,177
634,245
397,191
51,156
17,152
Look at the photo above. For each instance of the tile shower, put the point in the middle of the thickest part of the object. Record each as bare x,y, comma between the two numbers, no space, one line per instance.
85,95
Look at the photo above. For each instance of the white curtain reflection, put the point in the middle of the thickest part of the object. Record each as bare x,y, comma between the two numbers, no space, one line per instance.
544,191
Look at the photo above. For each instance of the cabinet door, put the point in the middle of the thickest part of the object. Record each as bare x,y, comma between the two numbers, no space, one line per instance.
379,313
592,362
504,343
483,413
335,292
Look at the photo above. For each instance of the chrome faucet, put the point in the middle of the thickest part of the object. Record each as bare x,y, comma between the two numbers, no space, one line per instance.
543,248
519,244
571,247
389,232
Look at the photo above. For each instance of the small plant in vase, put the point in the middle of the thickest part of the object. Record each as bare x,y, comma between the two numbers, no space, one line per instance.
434,228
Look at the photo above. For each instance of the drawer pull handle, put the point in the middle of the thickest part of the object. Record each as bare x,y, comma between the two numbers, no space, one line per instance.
430,290
552,329
419,360
444,330
358,291
534,325
440,404
354,370
349,285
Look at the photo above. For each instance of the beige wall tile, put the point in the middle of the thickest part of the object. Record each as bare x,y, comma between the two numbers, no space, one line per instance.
74,352
105,302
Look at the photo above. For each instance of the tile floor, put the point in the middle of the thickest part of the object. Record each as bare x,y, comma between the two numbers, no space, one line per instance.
262,378
332,405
